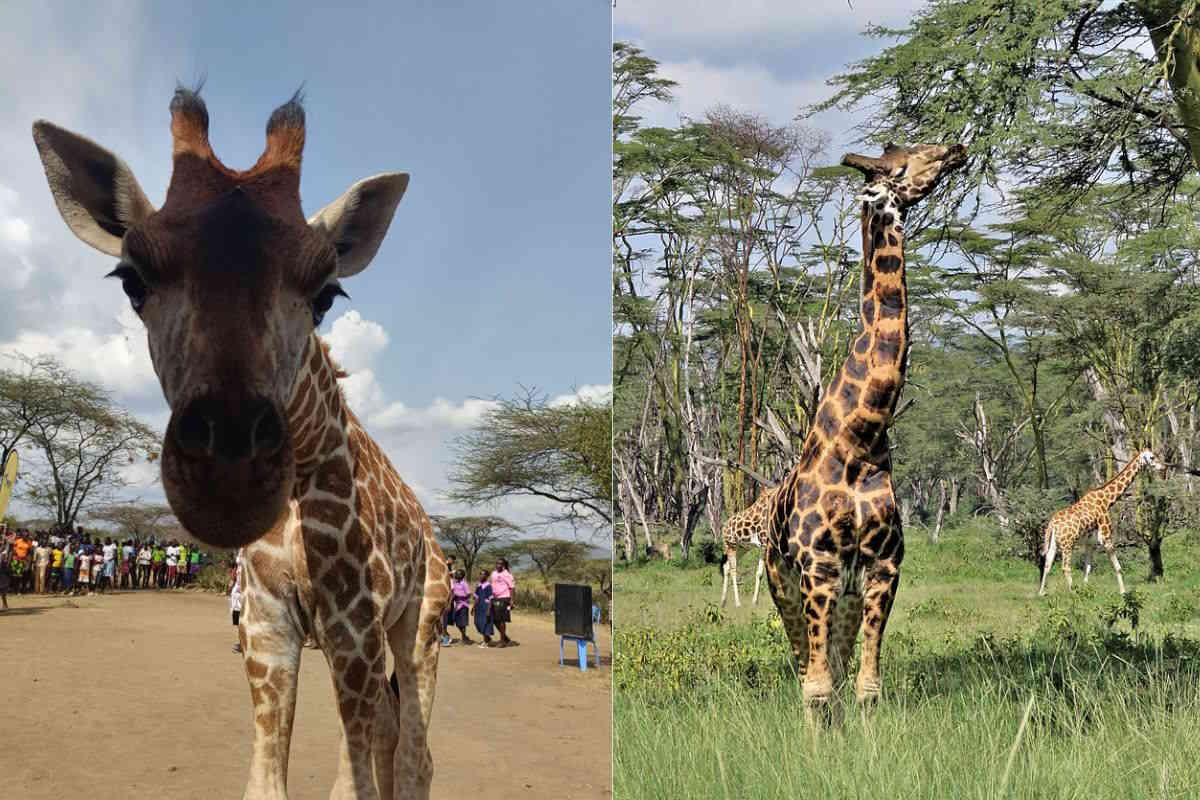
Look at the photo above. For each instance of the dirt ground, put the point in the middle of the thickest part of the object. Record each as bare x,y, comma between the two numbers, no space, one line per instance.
137,694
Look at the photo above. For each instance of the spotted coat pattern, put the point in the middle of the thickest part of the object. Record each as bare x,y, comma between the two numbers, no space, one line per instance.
1090,513
834,548
747,528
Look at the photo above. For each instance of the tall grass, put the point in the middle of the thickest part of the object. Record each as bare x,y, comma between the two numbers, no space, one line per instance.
989,691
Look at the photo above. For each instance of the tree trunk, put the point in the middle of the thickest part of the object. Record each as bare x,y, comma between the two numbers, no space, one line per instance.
1156,563
941,512
1177,44
955,489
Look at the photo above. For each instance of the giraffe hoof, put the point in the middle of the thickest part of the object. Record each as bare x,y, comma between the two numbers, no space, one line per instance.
867,692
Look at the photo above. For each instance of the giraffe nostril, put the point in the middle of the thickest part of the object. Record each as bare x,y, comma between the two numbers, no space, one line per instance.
194,431
266,435
230,428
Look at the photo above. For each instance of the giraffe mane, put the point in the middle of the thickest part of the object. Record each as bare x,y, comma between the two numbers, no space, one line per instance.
338,372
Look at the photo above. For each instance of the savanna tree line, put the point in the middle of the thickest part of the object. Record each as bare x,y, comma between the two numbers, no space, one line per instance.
1053,284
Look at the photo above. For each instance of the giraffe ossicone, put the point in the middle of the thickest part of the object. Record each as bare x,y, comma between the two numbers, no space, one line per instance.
834,547
1070,525
262,451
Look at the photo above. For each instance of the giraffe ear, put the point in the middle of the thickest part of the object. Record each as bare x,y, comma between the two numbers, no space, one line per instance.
358,220
96,193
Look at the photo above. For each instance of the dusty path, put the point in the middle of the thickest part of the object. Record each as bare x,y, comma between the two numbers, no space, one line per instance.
137,695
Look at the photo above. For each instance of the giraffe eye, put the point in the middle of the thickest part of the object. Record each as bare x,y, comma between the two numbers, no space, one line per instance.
324,301
132,284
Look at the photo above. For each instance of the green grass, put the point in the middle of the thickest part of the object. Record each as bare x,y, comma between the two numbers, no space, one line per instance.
707,703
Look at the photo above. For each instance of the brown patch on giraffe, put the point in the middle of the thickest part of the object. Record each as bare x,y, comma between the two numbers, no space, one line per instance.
362,614
355,675
256,669
334,477
380,576
329,512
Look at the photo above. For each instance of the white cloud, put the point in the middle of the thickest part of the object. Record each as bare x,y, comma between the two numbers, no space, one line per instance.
441,413
591,393
713,21
745,87
356,342
116,358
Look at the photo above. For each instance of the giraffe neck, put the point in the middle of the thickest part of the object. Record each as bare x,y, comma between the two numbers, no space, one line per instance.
1117,486
317,413
884,306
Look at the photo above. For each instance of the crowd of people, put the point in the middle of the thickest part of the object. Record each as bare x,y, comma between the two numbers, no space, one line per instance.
41,562
76,563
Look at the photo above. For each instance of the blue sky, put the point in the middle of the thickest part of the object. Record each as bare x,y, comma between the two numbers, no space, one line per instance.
769,57
495,273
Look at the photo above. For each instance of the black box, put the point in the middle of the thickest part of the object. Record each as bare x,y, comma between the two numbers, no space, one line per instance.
573,610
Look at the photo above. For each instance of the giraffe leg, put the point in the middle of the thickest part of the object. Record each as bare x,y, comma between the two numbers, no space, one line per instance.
1051,550
415,645
786,595
725,578
757,579
1088,550
731,565
880,582
271,647
357,668
820,604
1066,562
847,620
1105,535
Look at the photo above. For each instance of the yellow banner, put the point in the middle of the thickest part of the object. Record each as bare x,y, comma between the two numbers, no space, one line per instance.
7,481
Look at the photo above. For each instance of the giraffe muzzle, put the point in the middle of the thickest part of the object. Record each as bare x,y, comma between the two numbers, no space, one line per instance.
228,468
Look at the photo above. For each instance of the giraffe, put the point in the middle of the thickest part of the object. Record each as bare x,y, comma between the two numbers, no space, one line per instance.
261,450
1090,512
747,528
834,549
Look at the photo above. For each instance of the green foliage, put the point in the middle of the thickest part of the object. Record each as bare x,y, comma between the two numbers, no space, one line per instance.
528,447
970,652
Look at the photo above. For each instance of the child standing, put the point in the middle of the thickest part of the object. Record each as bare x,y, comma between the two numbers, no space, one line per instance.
83,577
461,605
69,558
56,567
483,609
235,599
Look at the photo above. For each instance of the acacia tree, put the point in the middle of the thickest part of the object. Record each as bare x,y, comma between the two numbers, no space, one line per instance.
83,454
36,392
528,447
137,519
552,557
468,537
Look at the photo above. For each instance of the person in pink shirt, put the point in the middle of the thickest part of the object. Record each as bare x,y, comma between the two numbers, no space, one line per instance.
460,591
503,585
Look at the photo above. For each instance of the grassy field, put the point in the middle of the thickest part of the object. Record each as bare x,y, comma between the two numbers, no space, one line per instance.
989,691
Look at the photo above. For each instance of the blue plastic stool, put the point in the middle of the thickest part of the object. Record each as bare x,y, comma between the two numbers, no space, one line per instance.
581,646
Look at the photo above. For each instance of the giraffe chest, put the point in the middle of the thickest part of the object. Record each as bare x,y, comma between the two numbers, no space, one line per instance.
346,549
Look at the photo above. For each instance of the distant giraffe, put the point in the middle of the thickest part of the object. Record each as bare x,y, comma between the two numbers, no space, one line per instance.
747,528
835,545
1089,513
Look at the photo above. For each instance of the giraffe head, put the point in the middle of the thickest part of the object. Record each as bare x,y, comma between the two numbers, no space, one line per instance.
910,173
230,281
